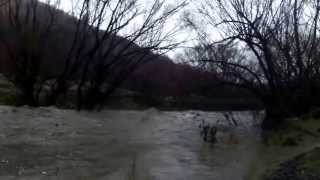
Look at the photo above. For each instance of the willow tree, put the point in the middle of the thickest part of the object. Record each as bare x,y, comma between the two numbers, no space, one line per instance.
95,46
26,26
110,40
282,42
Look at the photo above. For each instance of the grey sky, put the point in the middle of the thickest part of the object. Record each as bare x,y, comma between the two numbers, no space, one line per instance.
184,34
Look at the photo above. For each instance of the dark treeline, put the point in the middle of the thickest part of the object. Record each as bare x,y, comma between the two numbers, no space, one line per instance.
166,78
168,85
163,77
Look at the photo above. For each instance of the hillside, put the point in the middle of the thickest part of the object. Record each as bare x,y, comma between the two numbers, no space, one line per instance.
153,76
57,44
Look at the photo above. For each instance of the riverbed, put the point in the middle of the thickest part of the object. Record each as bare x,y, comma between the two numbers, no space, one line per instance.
49,143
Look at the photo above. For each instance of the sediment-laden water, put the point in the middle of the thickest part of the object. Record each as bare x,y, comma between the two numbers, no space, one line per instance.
47,143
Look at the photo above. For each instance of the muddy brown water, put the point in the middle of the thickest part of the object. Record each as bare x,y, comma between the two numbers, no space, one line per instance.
47,143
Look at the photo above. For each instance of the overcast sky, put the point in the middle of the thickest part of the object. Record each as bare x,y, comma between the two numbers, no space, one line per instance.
183,35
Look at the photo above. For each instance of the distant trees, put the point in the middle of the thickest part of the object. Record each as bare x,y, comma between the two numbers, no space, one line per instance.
281,44
105,41
164,78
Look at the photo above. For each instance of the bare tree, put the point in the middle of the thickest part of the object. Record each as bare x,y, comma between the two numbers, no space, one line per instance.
282,42
112,38
25,26
101,43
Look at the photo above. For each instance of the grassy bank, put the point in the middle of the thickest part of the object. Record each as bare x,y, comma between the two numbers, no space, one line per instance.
290,152
305,166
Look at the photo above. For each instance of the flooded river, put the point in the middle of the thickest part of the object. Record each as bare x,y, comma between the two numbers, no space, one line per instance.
47,143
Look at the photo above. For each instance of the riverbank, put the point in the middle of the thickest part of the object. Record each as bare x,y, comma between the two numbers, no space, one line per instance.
292,151
123,99
305,166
